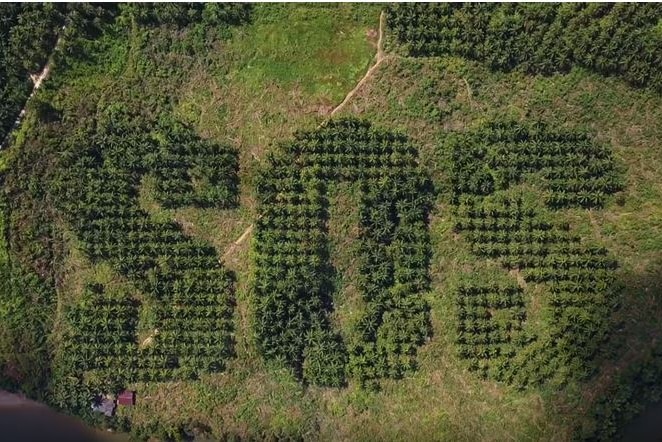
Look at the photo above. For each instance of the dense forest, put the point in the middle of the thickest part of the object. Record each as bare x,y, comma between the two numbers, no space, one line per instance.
29,34
196,208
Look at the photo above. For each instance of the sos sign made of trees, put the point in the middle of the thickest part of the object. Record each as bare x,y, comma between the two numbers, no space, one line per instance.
192,295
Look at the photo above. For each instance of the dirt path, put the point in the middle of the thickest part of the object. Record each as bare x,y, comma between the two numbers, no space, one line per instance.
37,81
238,242
379,57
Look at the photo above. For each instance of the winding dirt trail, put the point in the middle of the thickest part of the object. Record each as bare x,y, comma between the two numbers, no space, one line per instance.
379,57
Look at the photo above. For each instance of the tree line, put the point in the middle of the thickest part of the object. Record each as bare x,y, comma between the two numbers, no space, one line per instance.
622,39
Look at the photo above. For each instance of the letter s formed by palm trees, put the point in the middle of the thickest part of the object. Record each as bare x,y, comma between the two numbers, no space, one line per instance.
97,191
512,226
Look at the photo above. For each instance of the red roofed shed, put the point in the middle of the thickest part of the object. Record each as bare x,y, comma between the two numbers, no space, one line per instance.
126,397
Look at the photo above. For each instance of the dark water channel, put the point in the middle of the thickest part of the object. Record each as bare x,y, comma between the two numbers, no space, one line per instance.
22,420
647,427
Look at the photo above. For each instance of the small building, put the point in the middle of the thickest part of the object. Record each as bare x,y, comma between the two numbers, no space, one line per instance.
127,397
105,405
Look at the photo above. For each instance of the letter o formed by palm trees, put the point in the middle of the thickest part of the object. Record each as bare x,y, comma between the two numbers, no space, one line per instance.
292,284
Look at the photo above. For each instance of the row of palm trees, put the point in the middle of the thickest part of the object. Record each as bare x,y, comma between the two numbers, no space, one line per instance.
484,162
512,239
194,294
579,278
542,145
510,222
293,282
548,38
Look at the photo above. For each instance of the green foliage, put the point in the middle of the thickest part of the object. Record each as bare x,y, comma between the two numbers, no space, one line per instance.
612,39
190,171
256,71
26,305
293,282
490,319
32,36
28,255
575,171
631,391
28,33
97,191
98,353
184,14
325,358
498,225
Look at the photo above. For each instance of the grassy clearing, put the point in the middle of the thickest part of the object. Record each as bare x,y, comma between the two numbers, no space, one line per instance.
343,238
283,72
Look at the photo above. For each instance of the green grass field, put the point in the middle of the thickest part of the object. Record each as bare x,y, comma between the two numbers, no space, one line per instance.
283,72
